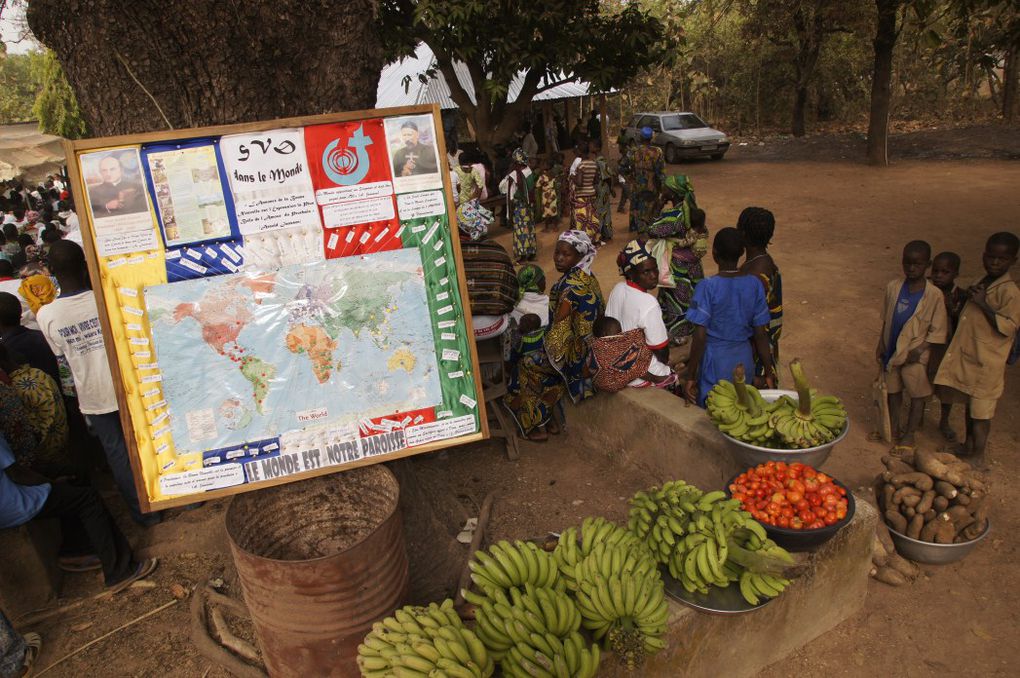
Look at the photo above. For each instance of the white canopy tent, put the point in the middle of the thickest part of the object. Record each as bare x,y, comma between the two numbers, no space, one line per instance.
27,153
391,90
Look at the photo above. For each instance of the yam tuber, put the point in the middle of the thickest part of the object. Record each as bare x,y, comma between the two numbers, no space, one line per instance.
879,556
887,575
940,503
911,500
896,466
944,533
962,500
927,463
914,526
926,501
904,491
946,490
908,511
903,566
929,515
887,495
896,521
921,481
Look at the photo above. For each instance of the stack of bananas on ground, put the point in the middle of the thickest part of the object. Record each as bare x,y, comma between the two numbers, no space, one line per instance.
705,539
524,616
738,410
574,545
811,420
424,641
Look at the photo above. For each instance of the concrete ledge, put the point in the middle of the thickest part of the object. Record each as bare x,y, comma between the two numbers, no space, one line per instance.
29,578
655,431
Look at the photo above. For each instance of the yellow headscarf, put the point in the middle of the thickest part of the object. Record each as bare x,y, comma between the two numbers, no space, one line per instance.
38,290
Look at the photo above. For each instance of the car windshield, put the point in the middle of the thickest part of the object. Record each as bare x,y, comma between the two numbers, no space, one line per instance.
682,121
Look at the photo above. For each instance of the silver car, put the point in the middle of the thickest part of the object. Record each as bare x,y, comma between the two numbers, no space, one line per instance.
681,135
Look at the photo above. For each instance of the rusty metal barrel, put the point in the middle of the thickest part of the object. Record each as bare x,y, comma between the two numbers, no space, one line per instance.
319,561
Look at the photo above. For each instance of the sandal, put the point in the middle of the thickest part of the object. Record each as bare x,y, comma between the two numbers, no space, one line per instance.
144,569
537,436
553,427
33,646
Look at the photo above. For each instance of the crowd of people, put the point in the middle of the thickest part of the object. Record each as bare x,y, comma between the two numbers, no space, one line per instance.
57,401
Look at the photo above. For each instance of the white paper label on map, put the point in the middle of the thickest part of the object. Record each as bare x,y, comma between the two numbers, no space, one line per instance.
400,231
188,263
418,205
440,261
382,234
151,378
372,189
446,324
445,309
440,430
165,447
350,235
229,265
142,354
134,327
306,416
450,354
156,405
211,253
448,336
139,341
438,246
443,281
173,254
230,252
148,366
432,231
419,228
201,424
333,240
133,310
364,237
151,392
202,480
194,254
157,434
160,419
442,296
128,291
358,212
456,375
467,400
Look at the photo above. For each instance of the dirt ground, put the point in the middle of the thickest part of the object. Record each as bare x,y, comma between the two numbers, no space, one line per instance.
840,229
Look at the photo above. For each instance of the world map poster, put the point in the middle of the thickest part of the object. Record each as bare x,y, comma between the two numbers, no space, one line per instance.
252,353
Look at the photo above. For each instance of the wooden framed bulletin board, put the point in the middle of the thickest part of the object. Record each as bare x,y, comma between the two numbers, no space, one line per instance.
280,299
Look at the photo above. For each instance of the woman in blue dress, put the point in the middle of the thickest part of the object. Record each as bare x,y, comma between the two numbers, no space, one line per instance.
729,313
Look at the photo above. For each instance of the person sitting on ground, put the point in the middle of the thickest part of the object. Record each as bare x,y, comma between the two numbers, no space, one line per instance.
83,363
729,312
973,370
945,268
45,415
91,539
619,359
633,301
913,318
757,225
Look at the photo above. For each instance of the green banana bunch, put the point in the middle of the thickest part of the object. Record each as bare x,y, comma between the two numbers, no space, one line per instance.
627,613
738,409
810,421
755,586
507,565
505,618
424,641
574,546
551,657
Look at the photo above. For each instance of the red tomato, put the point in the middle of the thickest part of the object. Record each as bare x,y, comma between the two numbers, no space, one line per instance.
841,512
830,518
810,484
806,516
822,478
784,521
794,497
819,511
816,525
830,500
788,512
809,472
814,500
795,485
779,498
796,523
803,505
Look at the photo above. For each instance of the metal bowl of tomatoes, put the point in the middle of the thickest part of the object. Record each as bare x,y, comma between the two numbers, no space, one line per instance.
800,507
747,454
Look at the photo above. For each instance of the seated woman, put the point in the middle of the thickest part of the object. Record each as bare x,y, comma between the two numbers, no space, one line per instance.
679,235
729,312
619,359
44,415
575,302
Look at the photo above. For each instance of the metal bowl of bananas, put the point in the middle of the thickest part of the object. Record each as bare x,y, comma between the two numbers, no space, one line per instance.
774,424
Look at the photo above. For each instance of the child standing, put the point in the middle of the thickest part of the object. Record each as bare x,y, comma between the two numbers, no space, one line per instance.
914,318
548,196
729,312
945,267
973,369
757,225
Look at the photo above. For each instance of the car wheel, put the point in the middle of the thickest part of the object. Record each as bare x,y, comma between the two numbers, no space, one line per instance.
717,156
671,155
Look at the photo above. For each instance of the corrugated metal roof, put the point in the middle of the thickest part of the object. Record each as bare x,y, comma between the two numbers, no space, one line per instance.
391,90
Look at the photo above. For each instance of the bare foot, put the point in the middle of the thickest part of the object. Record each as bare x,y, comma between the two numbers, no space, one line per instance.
947,431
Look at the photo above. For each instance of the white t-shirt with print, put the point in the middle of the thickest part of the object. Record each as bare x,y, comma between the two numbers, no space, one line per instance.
71,327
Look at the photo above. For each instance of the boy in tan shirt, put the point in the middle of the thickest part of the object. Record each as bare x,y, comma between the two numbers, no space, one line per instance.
973,369
914,318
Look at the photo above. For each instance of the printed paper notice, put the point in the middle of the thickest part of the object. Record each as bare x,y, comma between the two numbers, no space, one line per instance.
202,480
270,181
357,212
189,195
417,205
440,430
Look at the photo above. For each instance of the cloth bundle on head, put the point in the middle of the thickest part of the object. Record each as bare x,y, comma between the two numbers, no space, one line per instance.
37,290
580,241
631,255
531,300
528,277
679,184
519,156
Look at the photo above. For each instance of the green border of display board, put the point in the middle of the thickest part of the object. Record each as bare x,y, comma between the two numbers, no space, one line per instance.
343,185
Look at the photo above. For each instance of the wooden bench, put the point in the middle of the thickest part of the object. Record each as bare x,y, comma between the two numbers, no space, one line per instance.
490,361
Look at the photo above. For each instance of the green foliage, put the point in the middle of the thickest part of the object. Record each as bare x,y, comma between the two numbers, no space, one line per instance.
19,81
56,107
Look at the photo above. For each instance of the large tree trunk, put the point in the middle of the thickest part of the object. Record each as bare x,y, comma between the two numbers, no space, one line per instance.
797,125
1010,80
143,65
881,92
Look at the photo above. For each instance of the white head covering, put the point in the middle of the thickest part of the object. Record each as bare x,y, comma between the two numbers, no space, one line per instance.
580,241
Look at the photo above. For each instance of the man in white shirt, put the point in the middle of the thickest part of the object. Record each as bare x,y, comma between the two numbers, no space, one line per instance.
634,306
71,326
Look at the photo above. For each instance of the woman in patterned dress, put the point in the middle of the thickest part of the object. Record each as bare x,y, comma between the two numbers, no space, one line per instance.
603,191
515,186
583,196
644,168
472,218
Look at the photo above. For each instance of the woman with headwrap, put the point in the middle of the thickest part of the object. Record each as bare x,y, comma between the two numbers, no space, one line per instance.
603,192
633,301
643,166
517,189
575,302
534,387
582,201
680,237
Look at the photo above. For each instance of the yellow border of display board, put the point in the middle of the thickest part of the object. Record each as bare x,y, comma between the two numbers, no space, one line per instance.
74,149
